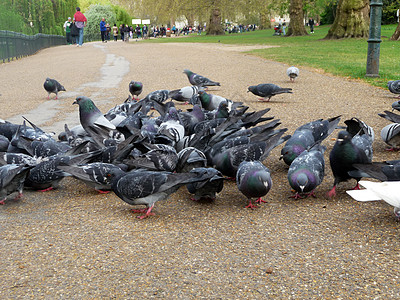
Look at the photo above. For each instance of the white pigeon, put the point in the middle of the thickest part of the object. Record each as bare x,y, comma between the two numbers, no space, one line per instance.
387,191
292,72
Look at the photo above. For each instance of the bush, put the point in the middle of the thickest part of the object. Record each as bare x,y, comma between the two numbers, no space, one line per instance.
94,15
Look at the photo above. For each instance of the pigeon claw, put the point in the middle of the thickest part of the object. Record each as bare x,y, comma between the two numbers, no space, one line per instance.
46,190
297,196
332,192
251,205
2,202
102,192
260,200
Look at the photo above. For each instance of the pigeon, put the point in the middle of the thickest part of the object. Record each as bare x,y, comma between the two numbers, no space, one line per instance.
347,151
93,121
198,80
387,191
211,102
12,178
228,161
267,90
4,142
306,172
306,136
293,73
390,134
52,86
253,180
157,96
92,174
207,189
396,105
184,94
190,158
394,87
143,187
135,88
383,171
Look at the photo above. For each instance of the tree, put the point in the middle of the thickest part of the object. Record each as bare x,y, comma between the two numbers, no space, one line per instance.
94,15
214,27
296,25
396,34
351,21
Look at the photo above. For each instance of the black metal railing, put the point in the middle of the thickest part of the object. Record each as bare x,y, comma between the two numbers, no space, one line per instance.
14,45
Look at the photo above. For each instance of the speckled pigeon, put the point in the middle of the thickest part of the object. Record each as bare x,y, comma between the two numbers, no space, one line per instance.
184,94
253,180
206,189
52,86
199,80
267,90
12,178
143,187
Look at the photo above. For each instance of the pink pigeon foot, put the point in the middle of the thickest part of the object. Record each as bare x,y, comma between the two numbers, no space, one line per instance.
260,200
251,205
332,192
103,192
46,190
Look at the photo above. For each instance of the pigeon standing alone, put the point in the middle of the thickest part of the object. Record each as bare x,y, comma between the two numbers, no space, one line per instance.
267,90
199,80
135,88
52,86
293,73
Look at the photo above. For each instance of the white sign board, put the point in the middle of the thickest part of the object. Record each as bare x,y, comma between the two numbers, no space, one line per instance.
136,21
146,21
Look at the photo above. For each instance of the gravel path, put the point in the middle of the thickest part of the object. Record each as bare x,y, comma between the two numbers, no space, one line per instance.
75,243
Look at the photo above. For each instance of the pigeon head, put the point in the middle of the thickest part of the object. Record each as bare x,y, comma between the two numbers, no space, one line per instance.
396,105
343,137
252,88
86,104
187,72
302,182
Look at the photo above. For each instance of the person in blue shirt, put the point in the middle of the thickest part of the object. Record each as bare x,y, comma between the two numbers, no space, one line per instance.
103,30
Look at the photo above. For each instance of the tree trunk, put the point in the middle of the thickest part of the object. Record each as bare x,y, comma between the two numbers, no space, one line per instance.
215,26
265,18
396,34
296,25
351,21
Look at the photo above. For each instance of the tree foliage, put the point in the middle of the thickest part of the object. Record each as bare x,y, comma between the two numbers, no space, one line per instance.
94,14
36,16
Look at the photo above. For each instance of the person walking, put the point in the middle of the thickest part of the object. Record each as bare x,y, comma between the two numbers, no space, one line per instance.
115,32
311,24
284,27
103,30
67,30
80,23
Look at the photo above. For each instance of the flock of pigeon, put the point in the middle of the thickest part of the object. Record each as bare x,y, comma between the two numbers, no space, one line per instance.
146,149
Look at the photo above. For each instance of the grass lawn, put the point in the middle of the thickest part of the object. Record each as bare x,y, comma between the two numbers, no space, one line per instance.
346,57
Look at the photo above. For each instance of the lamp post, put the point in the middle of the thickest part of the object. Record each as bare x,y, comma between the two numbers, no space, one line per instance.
374,39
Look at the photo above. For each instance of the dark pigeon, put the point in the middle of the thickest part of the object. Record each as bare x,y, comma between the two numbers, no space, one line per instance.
190,158
346,152
135,88
253,180
52,86
383,171
267,90
207,189
306,172
199,80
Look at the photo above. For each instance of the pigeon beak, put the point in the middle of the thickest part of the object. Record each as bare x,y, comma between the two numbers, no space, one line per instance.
75,102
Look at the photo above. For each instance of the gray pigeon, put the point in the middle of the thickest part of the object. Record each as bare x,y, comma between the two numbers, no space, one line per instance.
307,171
394,87
184,94
12,178
92,174
199,80
306,136
267,90
189,158
383,171
52,86
292,72
253,180
390,134
93,121
211,102
142,187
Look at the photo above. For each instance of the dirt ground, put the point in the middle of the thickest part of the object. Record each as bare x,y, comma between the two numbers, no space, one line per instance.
75,243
